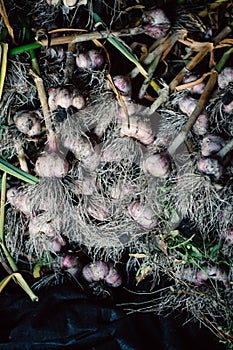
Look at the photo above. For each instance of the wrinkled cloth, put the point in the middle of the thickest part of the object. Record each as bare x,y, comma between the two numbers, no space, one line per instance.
65,317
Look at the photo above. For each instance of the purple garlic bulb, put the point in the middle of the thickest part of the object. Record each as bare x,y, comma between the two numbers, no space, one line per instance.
142,214
98,210
51,165
187,105
19,200
156,23
92,59
210,166
157,165
28,122
95,271
123,84
65,97
71,264
139,129
211,144
225,77
113,278
196,89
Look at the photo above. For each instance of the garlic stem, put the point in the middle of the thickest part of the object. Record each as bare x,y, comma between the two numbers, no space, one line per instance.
181,137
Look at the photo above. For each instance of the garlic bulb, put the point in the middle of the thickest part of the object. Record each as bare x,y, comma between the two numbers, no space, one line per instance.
65,97
113,278
102,271
210,166
157,165
92,59
225,77
156,23
28,122
19,200
139,128
142,214
95,271
195,89
211,144
187,105
98,210
123,84
51,165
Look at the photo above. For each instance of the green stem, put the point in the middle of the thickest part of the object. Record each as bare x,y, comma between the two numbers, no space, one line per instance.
27,47
2,234
18,173
224,59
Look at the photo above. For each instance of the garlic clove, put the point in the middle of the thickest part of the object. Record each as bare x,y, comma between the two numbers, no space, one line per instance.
51,165
156,23
95,271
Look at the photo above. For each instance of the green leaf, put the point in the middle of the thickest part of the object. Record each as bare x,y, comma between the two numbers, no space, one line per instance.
18,173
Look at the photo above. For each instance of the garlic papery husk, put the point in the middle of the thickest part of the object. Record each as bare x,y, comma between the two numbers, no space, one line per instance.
225,77
156,23
124,190
98,210
113,278
187,105
211,144
157,165
210,166
138,128
95,271
123,84
28,122
19,200
52,163
65,97
195,89
71,264
92,59
143,215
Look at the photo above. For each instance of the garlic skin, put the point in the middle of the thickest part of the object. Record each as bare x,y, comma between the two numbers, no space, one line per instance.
210,166
139,129
187,105
113,278
71,264
86,186
228,236
65,98
157,165
155,23
123,84
51,165
122,190
225,77
95,271
102,271
228,108
142,214
211,144
201,126
196,89
19,200
92,59
70,3
39,225
98,210
28,122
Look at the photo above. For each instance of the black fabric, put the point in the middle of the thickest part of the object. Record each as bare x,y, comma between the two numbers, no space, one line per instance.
67,318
